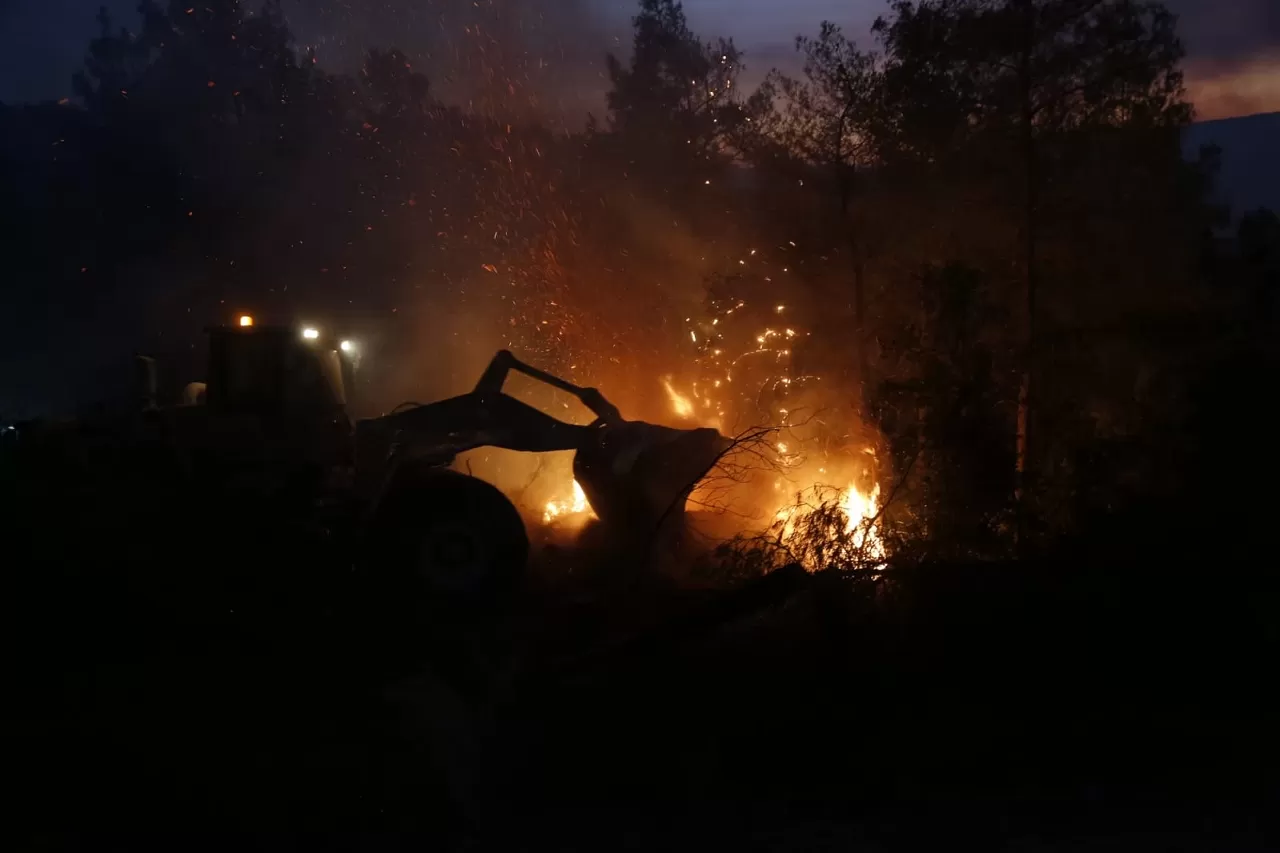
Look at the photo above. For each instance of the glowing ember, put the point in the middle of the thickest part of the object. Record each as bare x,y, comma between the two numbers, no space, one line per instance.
745,373
575,506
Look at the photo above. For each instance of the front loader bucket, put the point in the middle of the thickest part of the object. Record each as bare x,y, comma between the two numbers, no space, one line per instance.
637,475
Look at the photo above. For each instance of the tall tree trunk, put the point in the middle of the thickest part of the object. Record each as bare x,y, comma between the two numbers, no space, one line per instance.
1029,236
846,175
859,320
859,288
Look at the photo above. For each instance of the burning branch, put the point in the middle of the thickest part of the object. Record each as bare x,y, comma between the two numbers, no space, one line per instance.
747,442
746,456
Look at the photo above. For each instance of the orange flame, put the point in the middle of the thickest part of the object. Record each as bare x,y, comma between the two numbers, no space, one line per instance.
861,528
577,505
680,404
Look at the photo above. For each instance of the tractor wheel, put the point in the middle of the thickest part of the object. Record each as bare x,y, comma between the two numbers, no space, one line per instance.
448,534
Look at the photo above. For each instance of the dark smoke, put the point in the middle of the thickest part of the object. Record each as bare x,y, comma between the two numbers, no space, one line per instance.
521,59
1231,32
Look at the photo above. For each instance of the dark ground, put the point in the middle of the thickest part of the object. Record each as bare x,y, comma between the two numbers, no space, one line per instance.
190,677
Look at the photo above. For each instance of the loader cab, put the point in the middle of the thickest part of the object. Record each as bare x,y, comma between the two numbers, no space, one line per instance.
275,372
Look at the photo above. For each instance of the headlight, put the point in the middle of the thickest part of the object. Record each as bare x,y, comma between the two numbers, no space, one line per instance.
348,347
311,334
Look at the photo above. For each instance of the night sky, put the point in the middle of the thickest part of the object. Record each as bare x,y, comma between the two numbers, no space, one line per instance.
1233,65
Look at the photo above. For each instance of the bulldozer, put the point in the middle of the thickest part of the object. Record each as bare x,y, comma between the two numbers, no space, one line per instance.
271,419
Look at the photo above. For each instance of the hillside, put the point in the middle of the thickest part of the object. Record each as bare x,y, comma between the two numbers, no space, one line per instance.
1250,176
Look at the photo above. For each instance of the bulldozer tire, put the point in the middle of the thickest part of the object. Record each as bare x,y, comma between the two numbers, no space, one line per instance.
449,534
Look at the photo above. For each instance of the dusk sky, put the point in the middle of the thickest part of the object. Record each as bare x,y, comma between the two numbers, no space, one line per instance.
1233,67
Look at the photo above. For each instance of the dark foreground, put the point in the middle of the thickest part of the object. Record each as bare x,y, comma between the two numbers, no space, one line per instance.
187,677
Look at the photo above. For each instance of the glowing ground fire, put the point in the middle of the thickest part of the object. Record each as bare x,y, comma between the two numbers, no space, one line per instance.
575,506
861,522
815,482
744,372
802,488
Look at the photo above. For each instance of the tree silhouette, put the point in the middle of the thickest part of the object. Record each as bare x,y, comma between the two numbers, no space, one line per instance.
942,412
201,119
396,90
678,100
1259,237
827,120
1001,81
991,198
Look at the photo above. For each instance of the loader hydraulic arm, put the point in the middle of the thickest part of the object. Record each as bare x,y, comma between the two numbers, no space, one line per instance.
495,377
488,417
635,474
